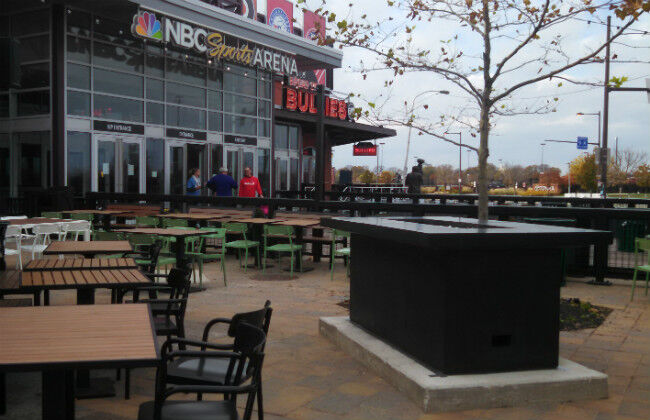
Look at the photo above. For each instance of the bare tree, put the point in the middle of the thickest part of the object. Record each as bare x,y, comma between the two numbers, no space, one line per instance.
521,43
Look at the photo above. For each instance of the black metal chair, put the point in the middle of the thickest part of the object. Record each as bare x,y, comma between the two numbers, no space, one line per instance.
243,378
168,313
199,371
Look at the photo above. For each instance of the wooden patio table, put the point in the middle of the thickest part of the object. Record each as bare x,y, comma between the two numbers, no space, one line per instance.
179,234
57,340
200,219
36,221
88,248
105,215
79,264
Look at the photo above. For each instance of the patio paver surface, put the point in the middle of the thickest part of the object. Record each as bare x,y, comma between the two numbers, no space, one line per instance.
308,378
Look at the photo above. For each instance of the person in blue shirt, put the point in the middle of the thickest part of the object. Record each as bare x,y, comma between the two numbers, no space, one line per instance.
194,183
222,184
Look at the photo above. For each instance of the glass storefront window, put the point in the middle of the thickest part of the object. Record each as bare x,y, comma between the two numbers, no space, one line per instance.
33,103
282,172
216,158
78,157
78,23
78,76
35,48
155,113
240,125
114,108
264,128
5,168
215,78
215,100
32,22
185,95
78,49
179,116
181,71
155,66
117,32
264,169
78,103
118,83
119,58
4,106
239,104
155,166
264,88
281,136
238,83
35,76
264,109
215,122
294,174
293,137
155,90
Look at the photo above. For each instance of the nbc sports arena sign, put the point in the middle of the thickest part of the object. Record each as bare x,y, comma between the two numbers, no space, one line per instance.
214,44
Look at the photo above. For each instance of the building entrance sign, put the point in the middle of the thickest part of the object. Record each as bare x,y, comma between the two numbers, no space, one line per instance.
213,44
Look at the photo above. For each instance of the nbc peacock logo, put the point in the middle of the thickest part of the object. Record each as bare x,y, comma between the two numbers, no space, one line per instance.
146,25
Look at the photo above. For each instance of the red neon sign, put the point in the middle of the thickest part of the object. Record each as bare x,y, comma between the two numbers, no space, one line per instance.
305,101
364,149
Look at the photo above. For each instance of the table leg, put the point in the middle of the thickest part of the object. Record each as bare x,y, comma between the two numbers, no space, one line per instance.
58,395
3,394
317,248
96,387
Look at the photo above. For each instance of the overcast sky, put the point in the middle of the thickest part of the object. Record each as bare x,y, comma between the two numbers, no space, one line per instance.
514,140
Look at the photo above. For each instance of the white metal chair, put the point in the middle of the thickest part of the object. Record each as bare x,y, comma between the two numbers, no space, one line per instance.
42,238
73,229
14,235
13,217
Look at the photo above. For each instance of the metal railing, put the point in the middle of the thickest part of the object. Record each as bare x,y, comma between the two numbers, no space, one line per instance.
615,259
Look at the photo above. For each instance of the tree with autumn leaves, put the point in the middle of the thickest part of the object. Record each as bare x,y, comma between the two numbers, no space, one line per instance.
517,44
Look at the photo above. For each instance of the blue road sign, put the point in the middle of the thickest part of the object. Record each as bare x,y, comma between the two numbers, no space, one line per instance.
583,143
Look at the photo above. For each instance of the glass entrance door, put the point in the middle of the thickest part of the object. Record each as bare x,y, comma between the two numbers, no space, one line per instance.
119,164
237,159
180,158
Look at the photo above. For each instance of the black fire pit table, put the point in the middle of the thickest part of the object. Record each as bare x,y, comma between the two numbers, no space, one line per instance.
458,297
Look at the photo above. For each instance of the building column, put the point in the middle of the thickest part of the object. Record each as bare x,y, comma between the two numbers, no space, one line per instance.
58,95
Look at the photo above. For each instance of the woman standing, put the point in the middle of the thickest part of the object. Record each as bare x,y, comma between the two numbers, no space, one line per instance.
194,183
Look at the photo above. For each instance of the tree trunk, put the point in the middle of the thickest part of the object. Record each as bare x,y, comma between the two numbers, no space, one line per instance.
483,153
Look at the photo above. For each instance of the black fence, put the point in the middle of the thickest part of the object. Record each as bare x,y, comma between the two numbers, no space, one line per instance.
616,259
390,197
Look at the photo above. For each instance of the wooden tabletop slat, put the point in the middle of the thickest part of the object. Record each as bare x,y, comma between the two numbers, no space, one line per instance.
72,334
69,278
52,264
87,247
58,277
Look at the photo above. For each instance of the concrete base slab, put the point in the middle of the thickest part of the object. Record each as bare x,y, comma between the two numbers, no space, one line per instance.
434,393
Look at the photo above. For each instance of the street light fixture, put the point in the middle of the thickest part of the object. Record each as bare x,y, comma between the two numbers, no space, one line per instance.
596,114
460,159
411,111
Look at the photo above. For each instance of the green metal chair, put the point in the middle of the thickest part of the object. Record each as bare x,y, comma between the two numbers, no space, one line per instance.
344,252
83,216
245,244
168,222
199,257
278,232
52,214
166,257
642,245
146,221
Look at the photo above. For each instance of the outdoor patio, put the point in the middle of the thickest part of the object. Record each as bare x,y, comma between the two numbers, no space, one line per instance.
307,377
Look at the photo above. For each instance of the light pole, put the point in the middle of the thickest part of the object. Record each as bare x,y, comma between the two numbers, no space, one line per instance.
411,110
592,113
541,168
569,177
382,157
460,160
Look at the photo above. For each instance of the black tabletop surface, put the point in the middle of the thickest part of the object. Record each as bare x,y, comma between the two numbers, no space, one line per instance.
457,232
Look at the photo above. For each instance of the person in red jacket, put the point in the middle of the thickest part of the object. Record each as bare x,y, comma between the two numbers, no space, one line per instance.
249,185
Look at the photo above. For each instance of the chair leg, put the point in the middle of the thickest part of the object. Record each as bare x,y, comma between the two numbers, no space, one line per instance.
260,402
127,384
300,260
223,268
263,260
291,270
647,276
246,260
633,283
332,267
257,251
